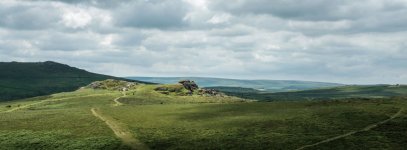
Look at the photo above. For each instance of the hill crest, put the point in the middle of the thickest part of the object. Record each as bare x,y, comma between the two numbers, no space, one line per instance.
30,79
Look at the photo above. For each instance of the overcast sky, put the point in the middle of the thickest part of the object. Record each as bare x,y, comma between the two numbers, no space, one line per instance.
345,41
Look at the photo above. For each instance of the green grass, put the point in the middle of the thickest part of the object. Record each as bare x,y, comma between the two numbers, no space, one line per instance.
164,121
277,125
65,124
391,135
63,139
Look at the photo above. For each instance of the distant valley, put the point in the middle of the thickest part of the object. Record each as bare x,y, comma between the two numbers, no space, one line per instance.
260,85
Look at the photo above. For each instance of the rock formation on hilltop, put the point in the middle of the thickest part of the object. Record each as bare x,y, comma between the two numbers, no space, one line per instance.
191,86
112,84
185,88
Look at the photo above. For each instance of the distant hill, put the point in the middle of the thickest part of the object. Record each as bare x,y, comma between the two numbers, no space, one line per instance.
264,85
26,79
343,92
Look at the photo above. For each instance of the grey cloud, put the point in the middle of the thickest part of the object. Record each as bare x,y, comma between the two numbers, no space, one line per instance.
306,9
28,17
231,31
384,22
129,39
151,14
318,17
97,3
67,42
310,9
51,41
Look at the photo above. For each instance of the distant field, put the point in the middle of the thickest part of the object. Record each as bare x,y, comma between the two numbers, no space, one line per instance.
267,85
64,121
342,92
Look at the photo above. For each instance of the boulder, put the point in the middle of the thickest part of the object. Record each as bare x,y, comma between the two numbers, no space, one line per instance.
210,92
111,84
191,86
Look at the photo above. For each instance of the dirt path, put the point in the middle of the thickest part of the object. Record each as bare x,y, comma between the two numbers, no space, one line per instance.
120,131
50,100
116,100
367,128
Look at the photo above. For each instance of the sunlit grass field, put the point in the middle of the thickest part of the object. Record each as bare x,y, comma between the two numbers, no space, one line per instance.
275,125
60,124
64,121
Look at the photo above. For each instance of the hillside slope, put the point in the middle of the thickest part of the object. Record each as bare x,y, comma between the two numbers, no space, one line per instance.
267,85
22,80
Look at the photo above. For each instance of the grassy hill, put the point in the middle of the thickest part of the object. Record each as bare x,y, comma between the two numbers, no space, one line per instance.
342,92
267,85
21,80
144,118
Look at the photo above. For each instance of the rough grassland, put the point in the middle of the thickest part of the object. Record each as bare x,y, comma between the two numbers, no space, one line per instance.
247,125
65,124
195,122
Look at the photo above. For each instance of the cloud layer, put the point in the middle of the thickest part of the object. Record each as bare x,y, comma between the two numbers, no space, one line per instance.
342,41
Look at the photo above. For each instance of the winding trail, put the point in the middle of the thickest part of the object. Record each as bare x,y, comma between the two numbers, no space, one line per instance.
120,131
50,100
116,100
367,128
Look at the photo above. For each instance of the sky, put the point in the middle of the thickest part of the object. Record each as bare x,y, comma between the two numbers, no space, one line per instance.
343,41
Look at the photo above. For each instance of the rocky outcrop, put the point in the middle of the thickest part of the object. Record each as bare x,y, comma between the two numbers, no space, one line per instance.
210,92
186,88
111,84
191,86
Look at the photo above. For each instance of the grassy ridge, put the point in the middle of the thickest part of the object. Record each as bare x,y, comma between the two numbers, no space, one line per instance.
22,80
146,94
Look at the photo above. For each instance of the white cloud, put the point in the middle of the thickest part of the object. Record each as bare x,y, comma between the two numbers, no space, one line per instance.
76,18
219,18
340,41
